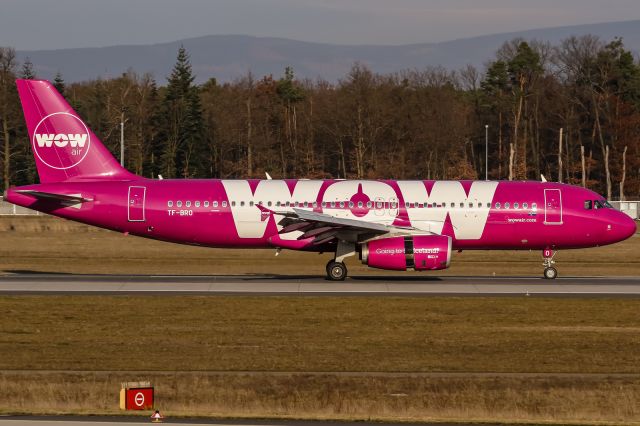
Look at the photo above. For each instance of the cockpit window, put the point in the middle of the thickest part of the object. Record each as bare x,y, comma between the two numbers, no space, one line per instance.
602,204
588,205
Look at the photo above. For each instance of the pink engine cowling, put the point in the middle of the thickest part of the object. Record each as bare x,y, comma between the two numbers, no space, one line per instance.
420,252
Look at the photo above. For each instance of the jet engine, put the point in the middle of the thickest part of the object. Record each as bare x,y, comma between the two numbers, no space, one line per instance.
418,252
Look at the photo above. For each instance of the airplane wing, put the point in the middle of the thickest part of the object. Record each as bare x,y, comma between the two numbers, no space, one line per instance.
324,228
69,200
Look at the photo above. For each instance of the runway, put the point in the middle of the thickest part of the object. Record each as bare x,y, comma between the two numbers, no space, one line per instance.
318,286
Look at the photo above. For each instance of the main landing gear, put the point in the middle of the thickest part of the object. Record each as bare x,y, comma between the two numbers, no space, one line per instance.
336,269
550,272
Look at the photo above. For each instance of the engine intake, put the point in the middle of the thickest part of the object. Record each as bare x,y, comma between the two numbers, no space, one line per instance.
419,252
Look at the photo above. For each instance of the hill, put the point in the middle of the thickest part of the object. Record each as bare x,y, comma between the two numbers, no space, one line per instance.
230,56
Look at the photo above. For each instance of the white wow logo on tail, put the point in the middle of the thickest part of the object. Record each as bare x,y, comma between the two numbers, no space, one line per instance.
61,140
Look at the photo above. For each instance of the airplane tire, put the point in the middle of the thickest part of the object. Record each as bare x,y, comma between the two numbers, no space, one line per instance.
336,271
550,273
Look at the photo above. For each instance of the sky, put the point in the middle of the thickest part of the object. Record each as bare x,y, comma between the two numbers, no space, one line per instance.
48,24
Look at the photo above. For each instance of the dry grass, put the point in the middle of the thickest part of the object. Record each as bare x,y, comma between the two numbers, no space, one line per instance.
235,333
48,244
281,334
498,399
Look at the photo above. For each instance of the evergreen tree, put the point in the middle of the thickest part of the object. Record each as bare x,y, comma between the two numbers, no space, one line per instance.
58,83
27,72
184,140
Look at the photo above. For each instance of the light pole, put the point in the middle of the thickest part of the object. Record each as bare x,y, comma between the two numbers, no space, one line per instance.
486,152
122,139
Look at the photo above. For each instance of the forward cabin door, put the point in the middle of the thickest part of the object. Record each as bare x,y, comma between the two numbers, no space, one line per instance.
552,207
135,207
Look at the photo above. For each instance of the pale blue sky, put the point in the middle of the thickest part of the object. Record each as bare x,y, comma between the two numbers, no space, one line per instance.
47,24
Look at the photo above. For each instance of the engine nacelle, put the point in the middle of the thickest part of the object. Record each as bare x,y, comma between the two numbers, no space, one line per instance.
419,252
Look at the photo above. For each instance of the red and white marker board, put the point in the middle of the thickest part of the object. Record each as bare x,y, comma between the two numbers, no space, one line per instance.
138,398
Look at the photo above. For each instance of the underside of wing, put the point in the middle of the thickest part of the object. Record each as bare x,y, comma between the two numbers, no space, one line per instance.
324,228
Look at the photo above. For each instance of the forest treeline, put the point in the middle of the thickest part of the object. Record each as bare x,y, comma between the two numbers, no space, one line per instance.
570,112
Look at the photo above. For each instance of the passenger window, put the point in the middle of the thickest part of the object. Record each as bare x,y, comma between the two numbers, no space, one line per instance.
169,203
224,203
251,203
534,206
497,205
368,204
470,205
324,204
525,206
315,204
269,204
179,204
479,205
197,203
341,204
188,204
206,203
333,204
516,206
215,204
453,205
360,204
462,205
507,205
350,204
241,203
233,203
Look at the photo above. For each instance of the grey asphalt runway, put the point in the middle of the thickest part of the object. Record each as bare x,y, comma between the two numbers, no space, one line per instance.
313,285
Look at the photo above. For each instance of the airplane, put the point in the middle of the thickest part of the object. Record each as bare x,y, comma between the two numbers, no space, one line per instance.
389,224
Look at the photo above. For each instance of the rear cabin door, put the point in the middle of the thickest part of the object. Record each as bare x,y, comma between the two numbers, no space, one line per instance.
552,207
136,203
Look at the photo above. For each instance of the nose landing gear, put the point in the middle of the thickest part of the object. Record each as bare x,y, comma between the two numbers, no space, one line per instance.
550,272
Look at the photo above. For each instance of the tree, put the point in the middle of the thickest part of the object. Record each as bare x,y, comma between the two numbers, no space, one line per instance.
58,83
183,146
290,94
27,72
8,110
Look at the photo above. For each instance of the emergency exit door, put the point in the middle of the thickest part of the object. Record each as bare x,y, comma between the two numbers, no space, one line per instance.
135,205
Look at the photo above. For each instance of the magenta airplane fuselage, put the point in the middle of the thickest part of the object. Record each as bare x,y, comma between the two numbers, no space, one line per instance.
394,225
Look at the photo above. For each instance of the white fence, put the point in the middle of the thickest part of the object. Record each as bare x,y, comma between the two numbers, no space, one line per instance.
632,208
8,209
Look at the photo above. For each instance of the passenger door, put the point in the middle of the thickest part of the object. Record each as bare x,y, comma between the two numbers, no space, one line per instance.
552,207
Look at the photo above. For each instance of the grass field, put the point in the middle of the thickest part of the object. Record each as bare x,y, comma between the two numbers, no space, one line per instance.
186,344
357,358
47,244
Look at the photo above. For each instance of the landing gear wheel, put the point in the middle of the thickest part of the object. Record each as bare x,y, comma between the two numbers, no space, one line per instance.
550,273
336,271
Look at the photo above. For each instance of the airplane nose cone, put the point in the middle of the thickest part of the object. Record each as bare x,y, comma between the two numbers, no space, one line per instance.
623,227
